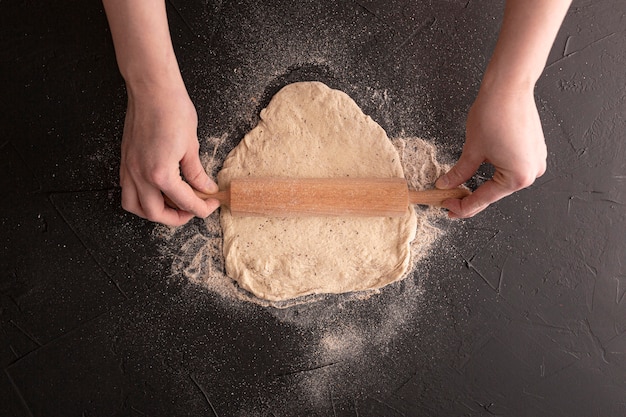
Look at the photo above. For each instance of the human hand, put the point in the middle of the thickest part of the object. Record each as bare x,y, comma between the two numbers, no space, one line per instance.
158,145
503,128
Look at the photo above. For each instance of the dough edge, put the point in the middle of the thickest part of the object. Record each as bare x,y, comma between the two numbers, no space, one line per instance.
283,277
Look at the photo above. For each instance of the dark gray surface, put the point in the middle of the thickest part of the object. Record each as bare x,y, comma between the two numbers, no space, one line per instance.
521,310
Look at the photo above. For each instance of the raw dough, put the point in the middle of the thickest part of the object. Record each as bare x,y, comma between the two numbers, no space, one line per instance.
309,130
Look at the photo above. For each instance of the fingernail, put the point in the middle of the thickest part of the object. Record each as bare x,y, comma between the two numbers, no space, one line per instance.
211,187
442,182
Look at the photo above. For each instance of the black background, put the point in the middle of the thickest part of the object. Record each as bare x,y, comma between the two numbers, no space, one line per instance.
517,312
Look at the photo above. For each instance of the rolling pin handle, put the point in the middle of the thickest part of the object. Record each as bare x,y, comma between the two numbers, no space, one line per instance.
223,196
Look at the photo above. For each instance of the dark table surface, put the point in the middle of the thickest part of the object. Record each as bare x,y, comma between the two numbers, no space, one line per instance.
519,311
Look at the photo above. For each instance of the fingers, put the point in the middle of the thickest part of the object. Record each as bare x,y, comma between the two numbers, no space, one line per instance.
150,205
142,194
504,182
476,202
461,172
183,196
194,173
154,208
159,143
146,200
505,131
130,199
491,191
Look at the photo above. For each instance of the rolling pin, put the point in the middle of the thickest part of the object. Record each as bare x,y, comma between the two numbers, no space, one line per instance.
291,197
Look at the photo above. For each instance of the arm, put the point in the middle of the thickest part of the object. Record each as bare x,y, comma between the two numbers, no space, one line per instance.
160,139
503,126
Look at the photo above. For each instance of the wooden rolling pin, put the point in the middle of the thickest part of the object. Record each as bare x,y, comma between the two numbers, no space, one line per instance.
290,197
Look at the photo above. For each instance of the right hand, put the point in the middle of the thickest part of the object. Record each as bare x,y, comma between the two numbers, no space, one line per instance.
504,129
159,144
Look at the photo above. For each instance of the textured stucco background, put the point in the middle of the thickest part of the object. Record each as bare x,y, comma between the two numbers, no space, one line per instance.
519,311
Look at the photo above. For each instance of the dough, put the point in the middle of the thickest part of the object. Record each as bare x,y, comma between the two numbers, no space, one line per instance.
309,130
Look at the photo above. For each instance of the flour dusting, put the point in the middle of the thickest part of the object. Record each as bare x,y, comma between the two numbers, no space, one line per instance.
346,328
200,258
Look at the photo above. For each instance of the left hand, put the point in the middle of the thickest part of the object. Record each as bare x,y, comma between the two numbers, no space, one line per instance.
159,144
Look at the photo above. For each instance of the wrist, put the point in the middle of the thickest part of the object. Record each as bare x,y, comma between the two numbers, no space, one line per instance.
152,76
508,80
499,96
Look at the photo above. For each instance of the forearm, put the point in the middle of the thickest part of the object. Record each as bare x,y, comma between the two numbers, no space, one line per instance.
143,46
529,28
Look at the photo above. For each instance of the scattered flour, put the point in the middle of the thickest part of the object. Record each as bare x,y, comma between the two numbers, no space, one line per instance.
200,258
348,328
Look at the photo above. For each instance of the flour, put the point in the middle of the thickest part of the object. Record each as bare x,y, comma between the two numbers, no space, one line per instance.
309,130
200,258
342,336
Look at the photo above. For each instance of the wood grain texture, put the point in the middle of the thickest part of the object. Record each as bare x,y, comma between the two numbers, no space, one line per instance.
435,197
362,197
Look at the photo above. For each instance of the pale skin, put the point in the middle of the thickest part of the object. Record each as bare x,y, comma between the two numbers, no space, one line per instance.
503,126
160,140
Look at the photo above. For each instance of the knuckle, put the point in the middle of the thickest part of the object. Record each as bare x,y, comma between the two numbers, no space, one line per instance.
522,180
128,207
204,212
542,169
470,211
152,214
159,177
201,209
133,210
195,175
455,173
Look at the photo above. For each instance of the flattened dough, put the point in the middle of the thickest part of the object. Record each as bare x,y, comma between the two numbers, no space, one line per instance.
311,131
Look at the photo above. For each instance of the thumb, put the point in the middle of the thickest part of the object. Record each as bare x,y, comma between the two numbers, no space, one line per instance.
194,173
465,167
